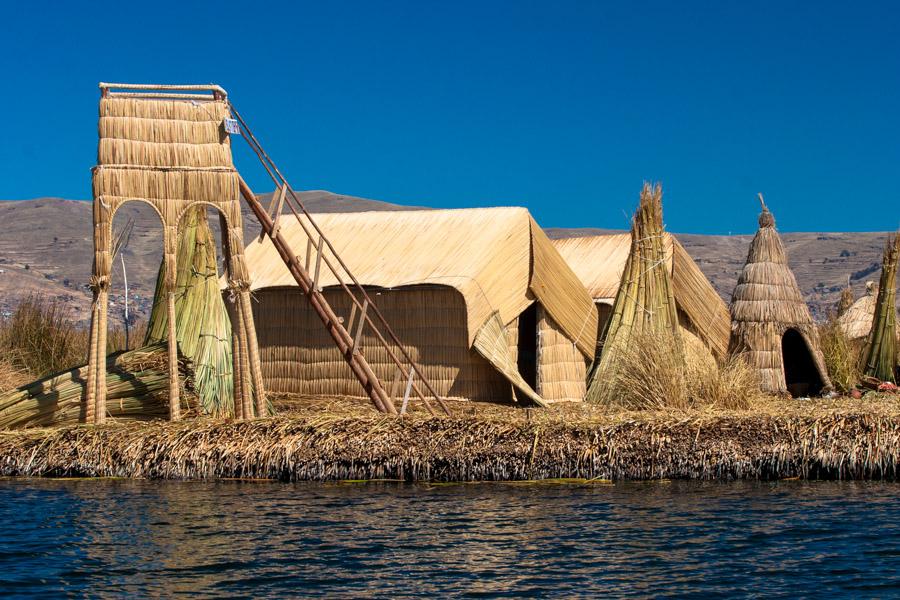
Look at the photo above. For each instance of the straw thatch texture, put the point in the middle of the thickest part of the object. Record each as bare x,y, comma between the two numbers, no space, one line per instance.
645,301
202,323
766,305
845,302
497,258
599,262
168,153
298,356
561,368
860,445
881,345
493,343
175,155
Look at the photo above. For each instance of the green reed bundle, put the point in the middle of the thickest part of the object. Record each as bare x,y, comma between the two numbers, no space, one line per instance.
137,383
881,346
202,324
645,301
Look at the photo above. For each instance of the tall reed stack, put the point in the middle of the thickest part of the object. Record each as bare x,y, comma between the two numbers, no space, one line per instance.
645,302
881,346
202,324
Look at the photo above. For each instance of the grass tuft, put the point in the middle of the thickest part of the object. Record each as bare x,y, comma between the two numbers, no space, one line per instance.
843,356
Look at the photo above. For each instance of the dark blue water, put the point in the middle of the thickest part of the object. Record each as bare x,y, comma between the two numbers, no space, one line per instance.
106,538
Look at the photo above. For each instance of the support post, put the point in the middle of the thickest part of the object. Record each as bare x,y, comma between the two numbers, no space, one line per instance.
103,300
90,397
259,391
236,372
174,386
170,244
247,384
359,328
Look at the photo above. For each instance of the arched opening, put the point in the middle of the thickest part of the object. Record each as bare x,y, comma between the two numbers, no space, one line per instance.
136,251
800,373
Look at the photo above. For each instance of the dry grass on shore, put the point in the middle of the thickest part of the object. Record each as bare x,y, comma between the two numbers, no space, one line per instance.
40,338
652,374
823,439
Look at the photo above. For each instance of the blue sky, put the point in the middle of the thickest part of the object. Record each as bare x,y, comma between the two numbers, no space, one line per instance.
563,107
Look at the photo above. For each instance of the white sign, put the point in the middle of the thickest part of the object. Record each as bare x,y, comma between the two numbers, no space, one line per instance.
231,126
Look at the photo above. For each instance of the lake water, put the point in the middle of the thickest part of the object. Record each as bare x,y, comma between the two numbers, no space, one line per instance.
114,538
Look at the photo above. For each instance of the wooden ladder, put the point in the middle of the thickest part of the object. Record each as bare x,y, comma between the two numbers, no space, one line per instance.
364,313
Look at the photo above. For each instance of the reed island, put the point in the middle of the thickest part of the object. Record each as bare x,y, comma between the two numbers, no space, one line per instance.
437,345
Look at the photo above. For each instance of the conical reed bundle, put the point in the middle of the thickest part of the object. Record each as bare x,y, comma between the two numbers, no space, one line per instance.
881,346
645,302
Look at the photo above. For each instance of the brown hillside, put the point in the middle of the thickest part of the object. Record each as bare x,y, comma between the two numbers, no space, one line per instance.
46,248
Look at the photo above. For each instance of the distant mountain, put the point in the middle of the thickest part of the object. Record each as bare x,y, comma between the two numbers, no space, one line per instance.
46,248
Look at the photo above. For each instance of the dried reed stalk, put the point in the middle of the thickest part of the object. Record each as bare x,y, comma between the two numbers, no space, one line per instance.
827,444
137,388
843,355
645,301
846,300
881,346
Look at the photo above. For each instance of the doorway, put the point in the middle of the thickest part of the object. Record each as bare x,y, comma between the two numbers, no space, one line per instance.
800,373
528,335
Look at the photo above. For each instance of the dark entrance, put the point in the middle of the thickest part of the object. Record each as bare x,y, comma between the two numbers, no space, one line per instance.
527,360
800,373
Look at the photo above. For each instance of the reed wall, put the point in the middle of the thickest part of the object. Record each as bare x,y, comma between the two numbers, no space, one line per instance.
299,357
561,367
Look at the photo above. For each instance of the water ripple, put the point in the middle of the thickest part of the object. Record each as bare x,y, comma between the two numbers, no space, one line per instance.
114,538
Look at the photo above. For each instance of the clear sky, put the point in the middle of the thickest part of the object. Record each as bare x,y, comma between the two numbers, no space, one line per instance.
563,107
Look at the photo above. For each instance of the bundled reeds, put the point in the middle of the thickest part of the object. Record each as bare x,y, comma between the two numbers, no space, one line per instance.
137,383
856,445
645,301
202,323
648,376
881,345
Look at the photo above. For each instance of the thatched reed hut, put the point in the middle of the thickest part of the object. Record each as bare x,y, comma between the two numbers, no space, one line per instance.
480,298
599,261
771,325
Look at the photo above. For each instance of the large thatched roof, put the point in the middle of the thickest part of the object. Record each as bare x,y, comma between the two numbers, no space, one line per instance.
766,303
599,260
497,258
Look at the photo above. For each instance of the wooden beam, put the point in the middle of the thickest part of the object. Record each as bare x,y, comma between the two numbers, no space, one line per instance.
318,265
359,328
409,383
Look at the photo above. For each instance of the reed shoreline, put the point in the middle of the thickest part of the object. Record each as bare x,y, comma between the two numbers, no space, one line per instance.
816,441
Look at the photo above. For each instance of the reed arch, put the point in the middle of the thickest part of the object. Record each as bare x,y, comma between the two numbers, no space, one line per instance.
172,155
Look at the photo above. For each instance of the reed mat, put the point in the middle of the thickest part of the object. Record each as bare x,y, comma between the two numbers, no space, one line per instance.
328,440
